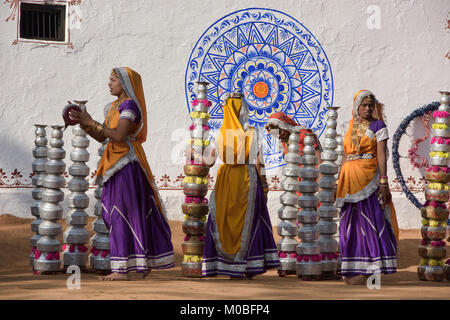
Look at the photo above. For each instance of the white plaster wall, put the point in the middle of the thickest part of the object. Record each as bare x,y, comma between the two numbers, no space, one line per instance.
404,63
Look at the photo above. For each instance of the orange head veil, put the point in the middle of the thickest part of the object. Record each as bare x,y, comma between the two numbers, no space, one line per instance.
378,113
132,84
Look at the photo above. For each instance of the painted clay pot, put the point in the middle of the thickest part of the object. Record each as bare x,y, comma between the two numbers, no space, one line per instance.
434,213
197,210
439,176
430,252
196,170
194,226
447,271
195,190
433,273
192,269
192,247
433,233
437,195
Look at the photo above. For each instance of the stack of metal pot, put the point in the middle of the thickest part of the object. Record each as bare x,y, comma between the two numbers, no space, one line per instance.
308,265
47,257
434,212
327,211
195,186
76,236
39,172
337,220
287,228
100,259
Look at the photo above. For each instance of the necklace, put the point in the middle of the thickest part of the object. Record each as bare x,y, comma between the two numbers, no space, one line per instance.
113,109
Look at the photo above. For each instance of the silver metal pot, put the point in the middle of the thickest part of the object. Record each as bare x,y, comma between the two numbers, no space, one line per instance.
287,212
75,235
328,244
308,232
308,248
288,199
307,216
327,211
309,268
309,172
287,244
287,228
308,201
308,186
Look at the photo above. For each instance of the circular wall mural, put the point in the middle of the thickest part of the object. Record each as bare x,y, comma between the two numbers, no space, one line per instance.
273,60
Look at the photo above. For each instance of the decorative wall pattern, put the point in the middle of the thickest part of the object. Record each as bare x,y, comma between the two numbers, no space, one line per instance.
16,179
272,59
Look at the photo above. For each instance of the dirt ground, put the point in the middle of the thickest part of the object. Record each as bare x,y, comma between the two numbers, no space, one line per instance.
18,282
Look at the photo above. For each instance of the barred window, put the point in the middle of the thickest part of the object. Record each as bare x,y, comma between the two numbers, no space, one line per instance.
43,21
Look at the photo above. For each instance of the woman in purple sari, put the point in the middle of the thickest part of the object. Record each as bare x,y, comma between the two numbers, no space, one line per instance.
140,237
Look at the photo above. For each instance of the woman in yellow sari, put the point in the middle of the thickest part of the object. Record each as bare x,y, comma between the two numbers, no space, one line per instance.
368,228
239,240
132,210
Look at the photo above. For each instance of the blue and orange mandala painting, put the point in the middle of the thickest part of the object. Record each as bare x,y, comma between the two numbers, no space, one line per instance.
273,60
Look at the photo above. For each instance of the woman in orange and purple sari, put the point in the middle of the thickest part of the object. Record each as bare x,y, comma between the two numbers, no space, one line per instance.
132,210
239,240
368,227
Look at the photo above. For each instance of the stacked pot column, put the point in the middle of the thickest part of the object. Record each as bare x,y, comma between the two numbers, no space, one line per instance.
76,236
47,258
327,210
434,212
195,187
308,263
99,259
337,220
39,172
287,228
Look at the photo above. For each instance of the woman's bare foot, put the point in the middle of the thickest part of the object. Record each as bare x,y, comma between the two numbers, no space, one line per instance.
356,280
116,277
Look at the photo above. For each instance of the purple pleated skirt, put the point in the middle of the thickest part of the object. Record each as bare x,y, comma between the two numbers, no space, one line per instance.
262,251
366,239
140,237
